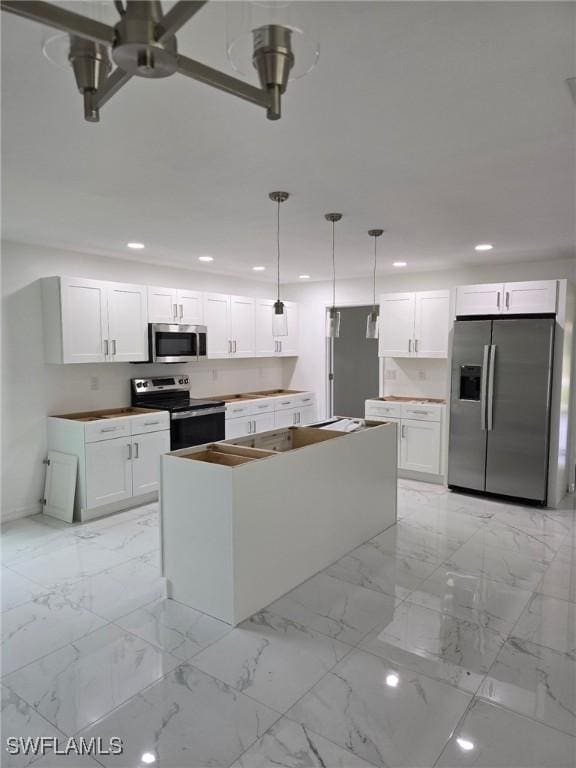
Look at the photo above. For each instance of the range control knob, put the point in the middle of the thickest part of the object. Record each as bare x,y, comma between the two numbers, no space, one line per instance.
180,381
186,380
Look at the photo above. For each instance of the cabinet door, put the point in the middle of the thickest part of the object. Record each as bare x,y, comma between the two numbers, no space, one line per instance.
217,321
239,427
127,323
266,345
420,446
482,299
431,322
396,335
534,296
162,305
263,422
146,452
190,309
287,417
108,471
84,320
242,326
288,345
307,414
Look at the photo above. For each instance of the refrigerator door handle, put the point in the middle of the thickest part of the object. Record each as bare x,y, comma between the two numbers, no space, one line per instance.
484,386
490,406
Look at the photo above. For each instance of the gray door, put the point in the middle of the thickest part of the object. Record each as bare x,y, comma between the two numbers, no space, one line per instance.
517,456
467,444
355,363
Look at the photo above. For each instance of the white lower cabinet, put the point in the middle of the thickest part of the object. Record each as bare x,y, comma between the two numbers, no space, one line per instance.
146,452
420,446
238,427
250,417
108,472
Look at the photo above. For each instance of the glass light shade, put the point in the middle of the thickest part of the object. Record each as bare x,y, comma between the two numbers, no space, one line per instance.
244,17
372,325
279,320
56,45
333,323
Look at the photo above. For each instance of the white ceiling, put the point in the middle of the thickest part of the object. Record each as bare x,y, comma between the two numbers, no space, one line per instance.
448,124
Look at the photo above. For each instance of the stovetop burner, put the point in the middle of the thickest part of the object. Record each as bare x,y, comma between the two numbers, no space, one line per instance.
169,393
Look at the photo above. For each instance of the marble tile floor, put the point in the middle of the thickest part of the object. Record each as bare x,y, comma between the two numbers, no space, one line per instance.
448,640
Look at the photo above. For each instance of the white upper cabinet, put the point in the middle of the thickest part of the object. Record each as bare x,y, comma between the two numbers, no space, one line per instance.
242,326
127,323
431,323
173,305
266,345
396,325
414,324
531,297
77,317
190,308
93,321
217,321
520,298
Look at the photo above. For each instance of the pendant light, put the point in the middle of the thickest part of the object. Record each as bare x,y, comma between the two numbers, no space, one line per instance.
279,318
372,319
333,317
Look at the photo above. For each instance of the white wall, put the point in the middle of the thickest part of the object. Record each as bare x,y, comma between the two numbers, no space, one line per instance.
31,390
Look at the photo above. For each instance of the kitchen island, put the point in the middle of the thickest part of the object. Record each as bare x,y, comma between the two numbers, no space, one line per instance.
244,521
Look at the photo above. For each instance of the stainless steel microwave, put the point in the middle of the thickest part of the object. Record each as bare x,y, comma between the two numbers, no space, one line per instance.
176,343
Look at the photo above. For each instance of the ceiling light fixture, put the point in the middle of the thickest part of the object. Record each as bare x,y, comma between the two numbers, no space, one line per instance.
205,258
483,247
135,246
372,319
148,758
465,744
279,318
333,316
304,277
400,264
143,44
258,269
392,680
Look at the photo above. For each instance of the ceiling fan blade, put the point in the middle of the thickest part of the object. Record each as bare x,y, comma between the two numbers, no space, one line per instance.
111,85
215,78
60,18
177,16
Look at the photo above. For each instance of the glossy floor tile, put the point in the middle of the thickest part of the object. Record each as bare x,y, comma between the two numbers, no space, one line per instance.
449,639
186,719
491,737
86,679
536,681
272,659
382,713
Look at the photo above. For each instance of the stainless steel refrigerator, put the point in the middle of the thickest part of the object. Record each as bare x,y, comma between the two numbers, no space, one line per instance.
500,406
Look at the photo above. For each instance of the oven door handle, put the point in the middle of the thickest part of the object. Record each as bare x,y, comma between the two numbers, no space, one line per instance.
194,414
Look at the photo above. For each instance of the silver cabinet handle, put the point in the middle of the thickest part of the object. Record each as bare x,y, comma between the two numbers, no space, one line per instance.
498,300
280,346
229,347
483,386
129,450
181,311
403,431
490,406
415,345
261,407
114,352
109,429
254,427
294,419
286,402
507,299
175,311
409,345
234,342
137,449
421,413
105,347
249,427
150,423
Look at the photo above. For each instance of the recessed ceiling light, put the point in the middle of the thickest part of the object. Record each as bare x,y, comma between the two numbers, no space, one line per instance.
400,264
135,246
148,758
483,247
465,744
205,258
392,680
258,269
304,277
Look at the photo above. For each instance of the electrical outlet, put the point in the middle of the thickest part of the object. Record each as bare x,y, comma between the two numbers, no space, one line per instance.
94,383
390,374
422,375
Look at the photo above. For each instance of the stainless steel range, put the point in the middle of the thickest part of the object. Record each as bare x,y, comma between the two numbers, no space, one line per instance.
192,421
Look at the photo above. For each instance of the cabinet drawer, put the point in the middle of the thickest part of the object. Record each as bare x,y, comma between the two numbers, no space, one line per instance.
106,429
245,408
422,412
262,406
283,403
380,410
305,400
152,422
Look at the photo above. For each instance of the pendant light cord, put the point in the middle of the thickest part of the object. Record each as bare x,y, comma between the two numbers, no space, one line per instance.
278,246
374,279
333,267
